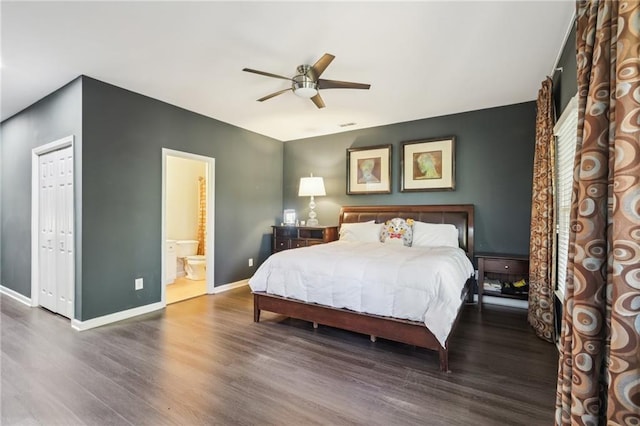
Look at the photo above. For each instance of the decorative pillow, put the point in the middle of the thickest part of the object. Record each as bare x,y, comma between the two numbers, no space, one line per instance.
368,232
434,235
397,231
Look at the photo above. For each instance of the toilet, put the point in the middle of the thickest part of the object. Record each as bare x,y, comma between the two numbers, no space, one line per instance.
195,266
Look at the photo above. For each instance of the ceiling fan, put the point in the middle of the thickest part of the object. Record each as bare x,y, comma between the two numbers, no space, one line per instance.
307,82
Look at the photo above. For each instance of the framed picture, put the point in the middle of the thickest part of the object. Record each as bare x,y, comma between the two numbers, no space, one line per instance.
289,217
428,165
369,170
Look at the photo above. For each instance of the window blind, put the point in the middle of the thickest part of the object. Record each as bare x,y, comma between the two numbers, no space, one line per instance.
565,132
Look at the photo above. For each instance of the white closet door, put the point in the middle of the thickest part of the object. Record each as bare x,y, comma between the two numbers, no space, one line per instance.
64,228
56,231
48,295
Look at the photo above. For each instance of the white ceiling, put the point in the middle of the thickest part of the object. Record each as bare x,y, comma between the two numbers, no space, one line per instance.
422,59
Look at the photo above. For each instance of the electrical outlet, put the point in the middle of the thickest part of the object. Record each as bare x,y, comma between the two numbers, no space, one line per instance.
139,283
251,261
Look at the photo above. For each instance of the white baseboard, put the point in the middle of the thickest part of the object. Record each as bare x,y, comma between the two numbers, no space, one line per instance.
15,295
230,286
503,301
115,317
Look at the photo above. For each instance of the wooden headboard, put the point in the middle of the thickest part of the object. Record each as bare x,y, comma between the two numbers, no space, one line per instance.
460,215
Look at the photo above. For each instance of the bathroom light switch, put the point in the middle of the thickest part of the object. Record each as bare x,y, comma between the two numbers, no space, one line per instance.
139,283
251,261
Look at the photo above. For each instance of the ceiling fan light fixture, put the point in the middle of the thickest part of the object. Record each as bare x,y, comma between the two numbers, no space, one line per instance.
307,82
306,92
304,87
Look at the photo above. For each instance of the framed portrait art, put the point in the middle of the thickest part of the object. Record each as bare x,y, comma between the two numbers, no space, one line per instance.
289,217
369,170
428,165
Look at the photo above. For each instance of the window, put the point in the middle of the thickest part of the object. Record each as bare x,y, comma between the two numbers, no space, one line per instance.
565,132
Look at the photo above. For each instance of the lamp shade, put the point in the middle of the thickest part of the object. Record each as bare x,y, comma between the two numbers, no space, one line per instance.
311,186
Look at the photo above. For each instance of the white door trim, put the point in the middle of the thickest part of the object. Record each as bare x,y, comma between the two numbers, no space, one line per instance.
211,185
35,215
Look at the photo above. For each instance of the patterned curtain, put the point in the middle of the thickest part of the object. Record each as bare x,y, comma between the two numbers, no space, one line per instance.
599,368
202,214
542,220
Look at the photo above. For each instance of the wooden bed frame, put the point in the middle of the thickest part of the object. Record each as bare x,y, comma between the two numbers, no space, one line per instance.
405,331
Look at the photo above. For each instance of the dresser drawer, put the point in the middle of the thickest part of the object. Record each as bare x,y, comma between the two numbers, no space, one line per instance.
298,243
286,232
506,266
290,237
280,244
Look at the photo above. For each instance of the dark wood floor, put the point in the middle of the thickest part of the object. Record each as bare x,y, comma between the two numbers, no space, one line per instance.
204,361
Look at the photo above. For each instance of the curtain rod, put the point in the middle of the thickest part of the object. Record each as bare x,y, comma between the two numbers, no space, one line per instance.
564,42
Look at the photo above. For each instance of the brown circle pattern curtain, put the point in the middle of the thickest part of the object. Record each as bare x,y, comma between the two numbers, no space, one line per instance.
599,368
542,231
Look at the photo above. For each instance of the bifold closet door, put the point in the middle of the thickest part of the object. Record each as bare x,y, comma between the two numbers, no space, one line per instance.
56,231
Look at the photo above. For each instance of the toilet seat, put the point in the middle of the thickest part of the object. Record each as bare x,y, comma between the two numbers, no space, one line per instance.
195,267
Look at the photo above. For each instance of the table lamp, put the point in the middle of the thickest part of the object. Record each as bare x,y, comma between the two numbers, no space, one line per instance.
311,187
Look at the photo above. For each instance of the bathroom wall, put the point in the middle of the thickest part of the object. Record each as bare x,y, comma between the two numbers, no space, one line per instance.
182,197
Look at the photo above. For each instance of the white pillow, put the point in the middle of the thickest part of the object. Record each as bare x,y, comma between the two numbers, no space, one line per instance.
434,235
368,232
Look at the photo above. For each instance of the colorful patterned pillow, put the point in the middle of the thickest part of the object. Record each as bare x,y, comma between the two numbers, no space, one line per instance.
397,231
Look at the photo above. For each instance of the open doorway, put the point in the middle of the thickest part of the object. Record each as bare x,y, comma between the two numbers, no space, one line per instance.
187,225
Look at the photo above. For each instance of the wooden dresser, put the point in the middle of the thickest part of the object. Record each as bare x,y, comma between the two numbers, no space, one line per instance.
289,237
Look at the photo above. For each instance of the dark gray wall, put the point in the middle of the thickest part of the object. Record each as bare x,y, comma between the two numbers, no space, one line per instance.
494,166
53,117
565,82
119,138
124,134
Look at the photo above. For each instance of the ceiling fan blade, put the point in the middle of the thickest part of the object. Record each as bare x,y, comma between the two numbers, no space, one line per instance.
318,101
335,84
268,74
280,92
322,64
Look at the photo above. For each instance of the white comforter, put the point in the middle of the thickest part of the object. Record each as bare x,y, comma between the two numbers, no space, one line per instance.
414,283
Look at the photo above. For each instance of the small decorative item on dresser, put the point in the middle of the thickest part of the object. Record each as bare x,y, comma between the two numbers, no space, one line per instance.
289,217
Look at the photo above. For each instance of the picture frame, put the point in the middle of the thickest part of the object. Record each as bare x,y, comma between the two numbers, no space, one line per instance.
428,165
369,170
289,217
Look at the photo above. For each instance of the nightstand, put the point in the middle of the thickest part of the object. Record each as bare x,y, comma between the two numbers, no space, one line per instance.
501,269
289,237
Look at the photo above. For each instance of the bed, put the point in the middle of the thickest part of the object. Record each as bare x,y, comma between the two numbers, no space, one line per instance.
400,329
